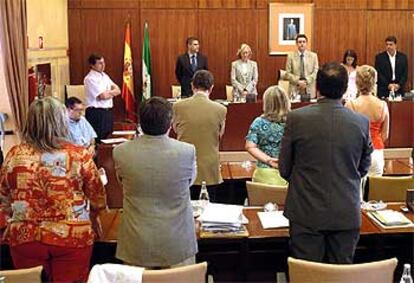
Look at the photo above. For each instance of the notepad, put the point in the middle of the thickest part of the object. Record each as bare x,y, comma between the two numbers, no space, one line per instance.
114,140
124,133
390,219
273,219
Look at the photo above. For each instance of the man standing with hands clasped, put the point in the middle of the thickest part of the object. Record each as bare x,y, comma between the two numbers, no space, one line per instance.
189,63
326,149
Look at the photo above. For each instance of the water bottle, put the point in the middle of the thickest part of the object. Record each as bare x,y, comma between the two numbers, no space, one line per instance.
406,276
391,96
204,197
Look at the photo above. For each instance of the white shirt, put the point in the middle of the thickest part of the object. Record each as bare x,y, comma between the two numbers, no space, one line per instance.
392,61
95,84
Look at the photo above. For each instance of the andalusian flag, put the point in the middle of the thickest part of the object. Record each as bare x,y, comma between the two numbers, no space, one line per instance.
128,79
146,65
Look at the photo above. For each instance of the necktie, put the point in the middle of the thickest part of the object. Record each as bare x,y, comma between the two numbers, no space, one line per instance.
302,66
193,63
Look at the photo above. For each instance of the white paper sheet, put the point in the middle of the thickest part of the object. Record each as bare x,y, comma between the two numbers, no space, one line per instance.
273,219
114,140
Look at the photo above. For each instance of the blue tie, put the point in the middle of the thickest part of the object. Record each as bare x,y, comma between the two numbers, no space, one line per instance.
193,63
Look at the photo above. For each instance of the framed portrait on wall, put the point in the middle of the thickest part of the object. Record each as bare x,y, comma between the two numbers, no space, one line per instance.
285,22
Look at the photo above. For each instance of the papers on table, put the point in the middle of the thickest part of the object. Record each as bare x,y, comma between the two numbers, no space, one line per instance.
222,218
114,140
390,219
273,219
124,133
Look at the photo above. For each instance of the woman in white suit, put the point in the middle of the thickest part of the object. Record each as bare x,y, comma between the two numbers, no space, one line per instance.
244,75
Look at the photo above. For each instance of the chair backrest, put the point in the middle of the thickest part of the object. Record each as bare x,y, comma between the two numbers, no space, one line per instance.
176,91
389,188
315,272
76,91
229,93
260,194
22,275
284,84
195,273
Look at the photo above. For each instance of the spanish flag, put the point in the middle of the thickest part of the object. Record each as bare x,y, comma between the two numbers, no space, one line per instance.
128,79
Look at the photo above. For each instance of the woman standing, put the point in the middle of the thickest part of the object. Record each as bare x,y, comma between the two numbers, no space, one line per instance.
265,135
377,112
350,63
244,76
50,196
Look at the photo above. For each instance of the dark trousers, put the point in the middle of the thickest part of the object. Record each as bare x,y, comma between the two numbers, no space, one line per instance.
322,246
212,192
101,121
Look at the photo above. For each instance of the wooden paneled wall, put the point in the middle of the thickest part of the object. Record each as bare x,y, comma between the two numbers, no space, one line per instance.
221,25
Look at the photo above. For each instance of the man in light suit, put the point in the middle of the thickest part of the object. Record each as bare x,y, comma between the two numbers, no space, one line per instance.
392,68
324,153
301,69
157,226
200,121
189,63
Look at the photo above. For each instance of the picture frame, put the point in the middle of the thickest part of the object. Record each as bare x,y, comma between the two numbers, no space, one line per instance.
285,22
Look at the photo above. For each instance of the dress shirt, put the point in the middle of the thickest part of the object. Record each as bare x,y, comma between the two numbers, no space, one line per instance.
392,62
81,132
95,84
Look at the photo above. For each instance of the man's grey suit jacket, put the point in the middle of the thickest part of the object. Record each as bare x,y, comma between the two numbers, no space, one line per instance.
157,226
324,153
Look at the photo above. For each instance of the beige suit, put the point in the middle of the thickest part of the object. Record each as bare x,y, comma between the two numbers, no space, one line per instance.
244,77
293,71
157,226
199,121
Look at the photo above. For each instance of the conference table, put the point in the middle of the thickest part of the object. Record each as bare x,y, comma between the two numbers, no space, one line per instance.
263,252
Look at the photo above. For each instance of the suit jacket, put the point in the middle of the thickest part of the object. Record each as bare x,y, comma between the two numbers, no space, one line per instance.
157,226
198,120
324,153
293,71
184,73
244,81
383,67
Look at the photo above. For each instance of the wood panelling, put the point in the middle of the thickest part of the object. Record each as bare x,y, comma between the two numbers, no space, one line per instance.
239,4
384,23
391,4
335,31
168,31
76,56
168,4
222,25
110,4
231,28
269,65
341,4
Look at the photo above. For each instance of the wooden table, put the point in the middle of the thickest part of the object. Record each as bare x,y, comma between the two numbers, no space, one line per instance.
266,251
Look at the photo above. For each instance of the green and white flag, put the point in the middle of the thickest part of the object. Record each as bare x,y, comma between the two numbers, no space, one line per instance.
146,65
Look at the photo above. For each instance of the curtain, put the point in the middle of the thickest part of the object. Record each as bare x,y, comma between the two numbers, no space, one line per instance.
13,31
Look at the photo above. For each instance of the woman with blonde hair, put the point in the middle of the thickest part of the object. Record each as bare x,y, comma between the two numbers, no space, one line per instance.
244,75
265,135
50,195
377,112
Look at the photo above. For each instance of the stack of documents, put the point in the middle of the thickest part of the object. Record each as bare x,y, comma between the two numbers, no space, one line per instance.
273,219
390,219
114,140
222,218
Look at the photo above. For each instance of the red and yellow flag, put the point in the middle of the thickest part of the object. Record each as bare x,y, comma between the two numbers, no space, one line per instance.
128,79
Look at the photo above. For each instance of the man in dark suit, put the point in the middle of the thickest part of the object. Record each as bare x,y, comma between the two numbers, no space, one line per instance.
392,68
187,64
324,153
